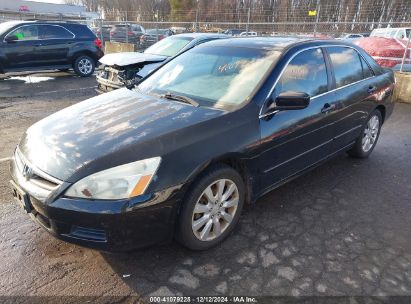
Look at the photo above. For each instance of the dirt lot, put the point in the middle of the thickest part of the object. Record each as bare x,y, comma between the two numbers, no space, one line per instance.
342,229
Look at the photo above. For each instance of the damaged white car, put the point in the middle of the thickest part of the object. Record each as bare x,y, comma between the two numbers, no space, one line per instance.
126,69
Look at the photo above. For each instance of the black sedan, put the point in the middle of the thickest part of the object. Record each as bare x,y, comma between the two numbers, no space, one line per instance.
216,127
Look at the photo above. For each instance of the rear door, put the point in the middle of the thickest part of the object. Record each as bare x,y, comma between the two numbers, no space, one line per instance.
53,46
355,86
294,140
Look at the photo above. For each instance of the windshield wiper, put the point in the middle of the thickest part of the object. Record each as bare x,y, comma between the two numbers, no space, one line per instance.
180,98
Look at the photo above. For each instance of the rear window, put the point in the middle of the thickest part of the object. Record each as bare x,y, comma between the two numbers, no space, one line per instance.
347,65
80,31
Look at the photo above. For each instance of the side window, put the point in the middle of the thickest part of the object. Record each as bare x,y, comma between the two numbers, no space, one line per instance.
347,65
26,33
54,32
366,71
305,73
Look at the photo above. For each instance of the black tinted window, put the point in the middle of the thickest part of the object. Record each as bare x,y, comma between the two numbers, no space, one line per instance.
54,32
26,32
347,65
367,72
305,73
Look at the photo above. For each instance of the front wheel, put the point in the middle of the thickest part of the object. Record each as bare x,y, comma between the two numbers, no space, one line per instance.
211,209
369,136
84,66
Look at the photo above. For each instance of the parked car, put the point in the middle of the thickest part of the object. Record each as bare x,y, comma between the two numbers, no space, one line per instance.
392,32
127,32
248,34
103,32
154,35
214,128
234,32
125,69
48,45
354,36
179,29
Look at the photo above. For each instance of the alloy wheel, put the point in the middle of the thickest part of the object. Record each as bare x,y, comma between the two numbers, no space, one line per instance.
215,209
370,133
85,66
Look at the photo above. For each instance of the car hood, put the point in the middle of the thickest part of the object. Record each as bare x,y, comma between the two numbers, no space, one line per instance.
108,130
127,58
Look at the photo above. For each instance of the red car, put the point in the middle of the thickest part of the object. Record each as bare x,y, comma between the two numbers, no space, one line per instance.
24,8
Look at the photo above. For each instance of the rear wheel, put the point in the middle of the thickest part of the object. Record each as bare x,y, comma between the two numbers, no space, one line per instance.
211,209
369,136
84,66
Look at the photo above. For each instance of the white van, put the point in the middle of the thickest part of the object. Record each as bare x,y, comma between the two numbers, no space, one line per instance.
392,32
250,34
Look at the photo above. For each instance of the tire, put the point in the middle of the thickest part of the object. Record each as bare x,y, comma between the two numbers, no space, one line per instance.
370,131
84,66
199,230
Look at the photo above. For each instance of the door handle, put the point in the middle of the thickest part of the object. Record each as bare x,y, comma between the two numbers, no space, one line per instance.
327,108
39,44
371,89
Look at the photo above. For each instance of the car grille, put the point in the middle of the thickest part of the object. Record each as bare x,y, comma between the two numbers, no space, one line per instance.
113,75
88,234
33,175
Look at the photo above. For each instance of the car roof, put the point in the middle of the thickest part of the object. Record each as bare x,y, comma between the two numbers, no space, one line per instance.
277,43
17,22
258,42
201,35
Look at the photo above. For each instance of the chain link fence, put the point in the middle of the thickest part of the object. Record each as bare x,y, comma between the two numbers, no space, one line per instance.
325,21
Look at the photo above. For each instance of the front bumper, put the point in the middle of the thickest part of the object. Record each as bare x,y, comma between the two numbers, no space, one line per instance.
108,225
104,85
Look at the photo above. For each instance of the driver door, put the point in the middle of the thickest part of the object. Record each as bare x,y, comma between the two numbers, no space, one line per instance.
20,52
294,140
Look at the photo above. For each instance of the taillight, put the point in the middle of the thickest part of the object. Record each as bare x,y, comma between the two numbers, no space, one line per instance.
161,37
98,43
142,38
130,33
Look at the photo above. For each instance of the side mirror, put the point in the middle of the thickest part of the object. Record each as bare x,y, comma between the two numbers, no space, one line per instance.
11,39
290,101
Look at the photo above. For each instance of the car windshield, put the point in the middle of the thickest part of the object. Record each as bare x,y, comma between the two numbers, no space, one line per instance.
168,47
219,77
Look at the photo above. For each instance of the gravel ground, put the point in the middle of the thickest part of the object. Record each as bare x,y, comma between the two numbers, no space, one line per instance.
342,229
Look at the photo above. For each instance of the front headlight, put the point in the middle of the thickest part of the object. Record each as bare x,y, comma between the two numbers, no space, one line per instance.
120,182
